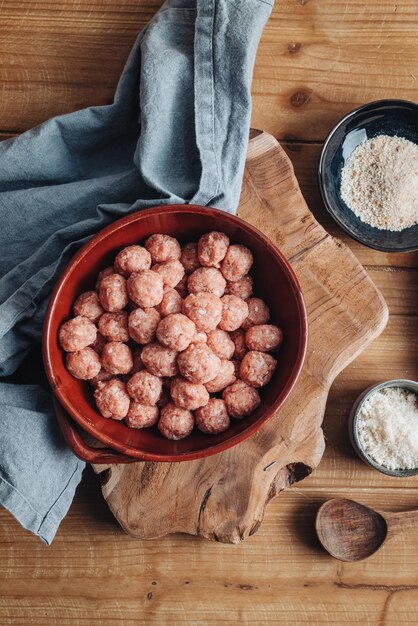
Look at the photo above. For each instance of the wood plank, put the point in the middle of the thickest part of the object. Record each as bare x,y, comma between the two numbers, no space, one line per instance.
272,606
183,556
317,60
114,577
398,288
57,57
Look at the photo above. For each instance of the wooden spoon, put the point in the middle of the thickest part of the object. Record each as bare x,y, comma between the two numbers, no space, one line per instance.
350,531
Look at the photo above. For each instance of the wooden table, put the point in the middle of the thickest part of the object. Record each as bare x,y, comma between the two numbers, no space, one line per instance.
318,59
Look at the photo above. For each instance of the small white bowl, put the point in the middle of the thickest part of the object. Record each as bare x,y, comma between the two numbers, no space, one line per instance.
353,426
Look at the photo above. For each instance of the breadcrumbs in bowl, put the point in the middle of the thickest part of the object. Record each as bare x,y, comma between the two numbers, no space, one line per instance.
184,224
368,177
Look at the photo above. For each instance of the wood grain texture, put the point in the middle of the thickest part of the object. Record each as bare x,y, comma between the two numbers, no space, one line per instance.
321,59
318,59
57,57
350,531
94,574
224,497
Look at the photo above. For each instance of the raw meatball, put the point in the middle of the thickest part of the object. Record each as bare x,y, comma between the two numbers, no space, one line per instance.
243,288
212,248
181,287
175,423
171,302
225,376
241,399
99,344
101,377
132,259
88,305
188,395
189,258
204,309
264,337
106,272
141,415
114,326
83,364
163,248
171,272
257,368
176,331
76,334
208,280
234,312
117,358
137,360
112,293
221,343
142,325
159,360
198,363
112,399
199,337
258,313
238,337
212,418
145,288
145,388
236,263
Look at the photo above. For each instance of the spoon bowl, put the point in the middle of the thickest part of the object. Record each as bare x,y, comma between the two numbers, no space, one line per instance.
350,531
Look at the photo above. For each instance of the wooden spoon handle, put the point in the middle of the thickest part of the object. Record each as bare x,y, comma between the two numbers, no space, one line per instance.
397,522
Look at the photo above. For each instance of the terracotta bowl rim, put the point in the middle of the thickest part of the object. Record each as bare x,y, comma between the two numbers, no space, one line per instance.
252,427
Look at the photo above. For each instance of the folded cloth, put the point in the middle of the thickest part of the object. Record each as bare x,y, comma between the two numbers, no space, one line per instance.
176,132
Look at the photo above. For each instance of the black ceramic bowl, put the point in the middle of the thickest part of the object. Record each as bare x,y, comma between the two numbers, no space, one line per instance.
384,117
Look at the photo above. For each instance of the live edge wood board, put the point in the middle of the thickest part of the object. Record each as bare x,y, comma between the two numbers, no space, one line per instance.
224,497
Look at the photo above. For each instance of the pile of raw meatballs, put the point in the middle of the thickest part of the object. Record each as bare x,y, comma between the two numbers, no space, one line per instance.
171,336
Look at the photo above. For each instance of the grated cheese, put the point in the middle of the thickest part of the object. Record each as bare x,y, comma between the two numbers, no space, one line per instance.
379,182
387,427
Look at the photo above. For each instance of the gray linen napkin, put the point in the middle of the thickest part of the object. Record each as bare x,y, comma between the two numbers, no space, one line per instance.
176,132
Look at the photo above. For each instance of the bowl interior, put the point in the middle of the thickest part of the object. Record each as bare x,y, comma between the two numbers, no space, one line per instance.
274,282
385,117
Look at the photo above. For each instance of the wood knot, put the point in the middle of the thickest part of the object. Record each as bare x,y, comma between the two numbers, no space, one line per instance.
294,47
300,97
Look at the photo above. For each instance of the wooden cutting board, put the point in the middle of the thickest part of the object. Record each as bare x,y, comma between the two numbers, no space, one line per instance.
224,497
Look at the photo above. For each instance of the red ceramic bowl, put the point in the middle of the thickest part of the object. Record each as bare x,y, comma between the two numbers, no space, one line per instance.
274,281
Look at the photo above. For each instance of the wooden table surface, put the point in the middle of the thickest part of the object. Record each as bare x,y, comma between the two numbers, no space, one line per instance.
318,59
